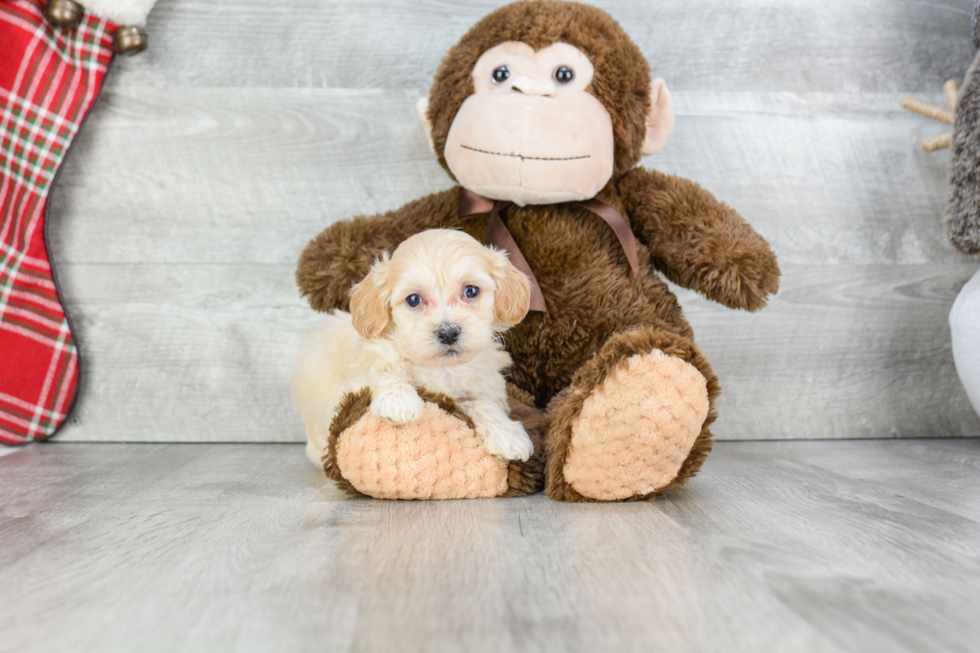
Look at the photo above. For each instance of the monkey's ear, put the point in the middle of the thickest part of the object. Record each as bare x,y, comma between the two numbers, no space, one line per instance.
422,107
368,302
660,120
512,299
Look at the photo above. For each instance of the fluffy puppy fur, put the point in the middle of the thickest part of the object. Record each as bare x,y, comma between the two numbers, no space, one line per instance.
427,316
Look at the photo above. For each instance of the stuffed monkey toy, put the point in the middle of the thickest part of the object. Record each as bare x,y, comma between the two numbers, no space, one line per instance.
541,114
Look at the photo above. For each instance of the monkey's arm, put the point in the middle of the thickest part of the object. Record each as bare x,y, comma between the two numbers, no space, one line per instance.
342,254
699,242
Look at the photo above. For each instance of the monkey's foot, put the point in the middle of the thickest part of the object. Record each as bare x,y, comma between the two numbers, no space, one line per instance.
437,457
634,432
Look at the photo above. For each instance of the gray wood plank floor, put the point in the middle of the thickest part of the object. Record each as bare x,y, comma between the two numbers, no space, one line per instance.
212,158
775,546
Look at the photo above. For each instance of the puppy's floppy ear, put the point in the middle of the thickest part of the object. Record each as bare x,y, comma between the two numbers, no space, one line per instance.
369,301
512,299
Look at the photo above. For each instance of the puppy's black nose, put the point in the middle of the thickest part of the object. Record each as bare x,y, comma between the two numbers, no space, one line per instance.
448,334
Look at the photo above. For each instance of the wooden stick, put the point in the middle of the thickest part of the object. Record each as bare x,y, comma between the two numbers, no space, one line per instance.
928,110
937,142
951,89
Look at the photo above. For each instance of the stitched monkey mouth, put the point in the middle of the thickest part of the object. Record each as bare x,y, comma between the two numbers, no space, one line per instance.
523,157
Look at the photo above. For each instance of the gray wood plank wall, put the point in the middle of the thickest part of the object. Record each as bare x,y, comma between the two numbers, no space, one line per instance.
212,158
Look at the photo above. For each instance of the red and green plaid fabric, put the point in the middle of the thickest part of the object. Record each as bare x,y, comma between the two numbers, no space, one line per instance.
49,78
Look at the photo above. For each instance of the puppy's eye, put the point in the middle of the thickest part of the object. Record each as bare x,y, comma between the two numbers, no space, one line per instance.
564,75
471,292
501,75
413,300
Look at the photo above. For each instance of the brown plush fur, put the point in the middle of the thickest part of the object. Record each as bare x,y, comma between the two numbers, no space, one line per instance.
699,242
526,477
522,477
593,300
352,408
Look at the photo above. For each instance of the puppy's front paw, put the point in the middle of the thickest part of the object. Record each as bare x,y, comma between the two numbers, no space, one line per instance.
507,440
398,407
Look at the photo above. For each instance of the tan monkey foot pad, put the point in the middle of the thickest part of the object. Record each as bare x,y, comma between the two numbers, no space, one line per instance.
637,428
438,457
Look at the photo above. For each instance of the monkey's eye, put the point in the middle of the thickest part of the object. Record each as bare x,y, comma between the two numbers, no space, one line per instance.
501,75
564,75
413,300
471,292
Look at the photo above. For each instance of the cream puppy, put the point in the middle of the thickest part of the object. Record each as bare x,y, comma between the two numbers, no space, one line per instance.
428,316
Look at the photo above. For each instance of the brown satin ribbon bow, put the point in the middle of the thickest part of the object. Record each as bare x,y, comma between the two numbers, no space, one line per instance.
472,204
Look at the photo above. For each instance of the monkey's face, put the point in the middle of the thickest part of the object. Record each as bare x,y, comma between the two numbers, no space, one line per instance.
531,133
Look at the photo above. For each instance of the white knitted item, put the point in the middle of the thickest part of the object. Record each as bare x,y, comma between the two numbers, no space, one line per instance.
121,12
964,326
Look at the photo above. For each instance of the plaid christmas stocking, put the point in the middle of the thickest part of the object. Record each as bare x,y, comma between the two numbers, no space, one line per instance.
49,79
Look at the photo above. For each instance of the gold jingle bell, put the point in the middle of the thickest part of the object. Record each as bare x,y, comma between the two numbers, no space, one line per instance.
64,13
129,40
